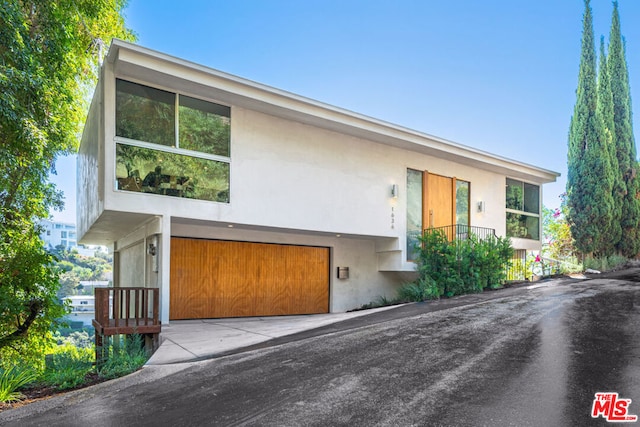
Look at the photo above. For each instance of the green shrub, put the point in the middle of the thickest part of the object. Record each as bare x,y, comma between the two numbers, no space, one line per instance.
12,379
124,355
410,292
492,257
422,289
605,263
68,366
458,267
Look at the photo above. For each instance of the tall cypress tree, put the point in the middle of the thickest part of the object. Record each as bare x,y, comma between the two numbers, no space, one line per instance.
629,245
605,110
589,179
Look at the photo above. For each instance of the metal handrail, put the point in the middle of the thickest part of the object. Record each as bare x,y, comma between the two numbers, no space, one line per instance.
462,232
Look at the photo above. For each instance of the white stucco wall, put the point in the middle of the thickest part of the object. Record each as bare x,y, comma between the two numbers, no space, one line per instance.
300,173
90,175
131,265
296,177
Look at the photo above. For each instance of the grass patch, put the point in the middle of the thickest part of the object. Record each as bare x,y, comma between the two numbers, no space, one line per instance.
68,366
125,354
12,379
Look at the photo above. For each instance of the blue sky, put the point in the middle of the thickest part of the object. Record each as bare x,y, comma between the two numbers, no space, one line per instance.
498,75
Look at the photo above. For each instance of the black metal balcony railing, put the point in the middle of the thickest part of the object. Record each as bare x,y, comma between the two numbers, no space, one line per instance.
525,266
451,232
462,232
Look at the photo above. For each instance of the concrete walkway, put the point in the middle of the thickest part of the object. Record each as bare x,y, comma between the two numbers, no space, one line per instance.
192,340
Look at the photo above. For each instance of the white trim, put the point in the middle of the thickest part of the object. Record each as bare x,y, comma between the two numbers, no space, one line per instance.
176,127
166,88
172,150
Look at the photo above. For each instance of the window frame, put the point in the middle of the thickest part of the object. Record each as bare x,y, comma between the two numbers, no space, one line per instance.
523,212
468,184
409,172
176,134
176,131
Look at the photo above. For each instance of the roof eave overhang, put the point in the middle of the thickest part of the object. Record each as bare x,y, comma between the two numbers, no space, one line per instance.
135,62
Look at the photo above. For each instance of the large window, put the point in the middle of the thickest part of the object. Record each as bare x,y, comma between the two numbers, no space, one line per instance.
171,144
171,174
523,210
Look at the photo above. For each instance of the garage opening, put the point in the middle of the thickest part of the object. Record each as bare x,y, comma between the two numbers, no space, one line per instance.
214,279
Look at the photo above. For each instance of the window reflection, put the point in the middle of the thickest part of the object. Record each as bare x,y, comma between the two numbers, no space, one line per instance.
531,198
144,113
204,126
414,212
462,202
523,226
525,199
149,115
158,172
514,194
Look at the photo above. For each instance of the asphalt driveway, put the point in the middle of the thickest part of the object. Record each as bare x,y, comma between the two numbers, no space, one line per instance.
526,356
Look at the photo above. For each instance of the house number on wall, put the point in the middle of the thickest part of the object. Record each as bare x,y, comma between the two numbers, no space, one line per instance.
393,217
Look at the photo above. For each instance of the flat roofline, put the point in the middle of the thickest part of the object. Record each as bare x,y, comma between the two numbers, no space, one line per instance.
277,102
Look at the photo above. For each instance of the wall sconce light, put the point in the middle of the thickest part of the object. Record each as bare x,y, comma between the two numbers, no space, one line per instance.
151,249
480,206
394,191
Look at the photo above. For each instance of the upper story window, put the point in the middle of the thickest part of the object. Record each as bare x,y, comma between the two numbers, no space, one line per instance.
523,210
146,114
204,126
171,144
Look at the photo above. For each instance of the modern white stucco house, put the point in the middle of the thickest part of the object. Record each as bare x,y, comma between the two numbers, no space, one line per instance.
262,195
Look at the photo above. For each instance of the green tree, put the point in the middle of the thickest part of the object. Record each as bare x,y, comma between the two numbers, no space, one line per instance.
49,51
605,110
589,178
629,209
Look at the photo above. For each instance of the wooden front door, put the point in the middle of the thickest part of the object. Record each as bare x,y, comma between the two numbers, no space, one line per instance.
439,201
213,279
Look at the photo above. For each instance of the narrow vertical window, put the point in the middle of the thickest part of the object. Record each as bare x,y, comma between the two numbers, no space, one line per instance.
414,212
462,202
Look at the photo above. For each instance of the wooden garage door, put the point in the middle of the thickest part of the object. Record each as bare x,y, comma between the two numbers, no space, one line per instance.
211,279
